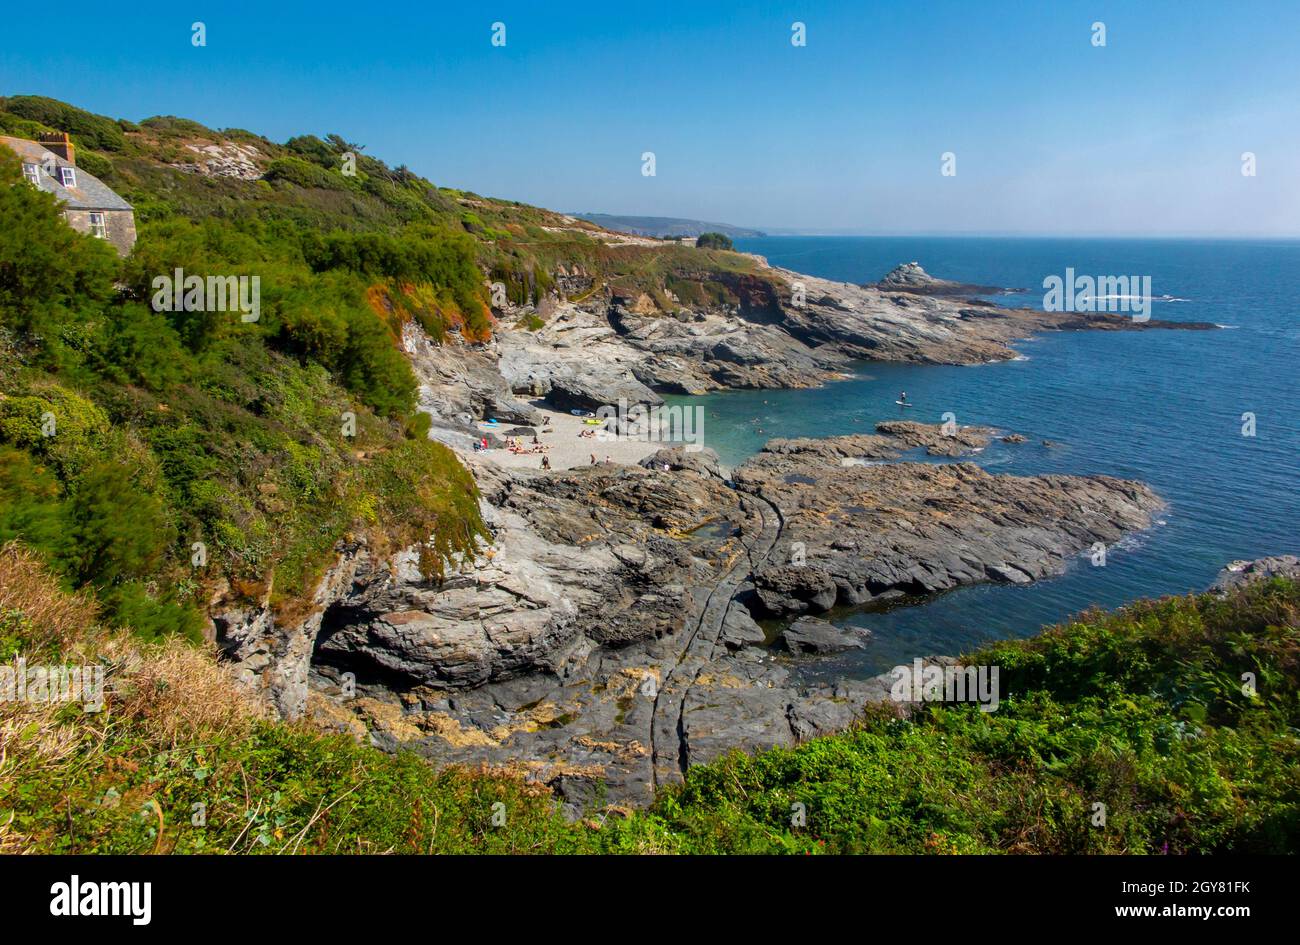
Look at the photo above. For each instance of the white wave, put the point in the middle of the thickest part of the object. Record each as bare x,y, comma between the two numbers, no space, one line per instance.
1132,298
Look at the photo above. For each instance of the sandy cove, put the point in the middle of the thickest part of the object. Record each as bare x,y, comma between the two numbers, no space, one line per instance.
564,443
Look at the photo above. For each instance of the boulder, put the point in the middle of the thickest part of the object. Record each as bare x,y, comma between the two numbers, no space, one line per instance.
739,629
703,461
795,589
596,390
812,635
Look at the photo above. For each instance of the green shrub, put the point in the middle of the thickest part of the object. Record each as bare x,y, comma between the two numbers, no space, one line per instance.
714,241
94,164
91,130
305,174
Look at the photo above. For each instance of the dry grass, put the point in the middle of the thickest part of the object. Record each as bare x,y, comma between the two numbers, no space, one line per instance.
32,740
57,621
168,694
175,691
177,694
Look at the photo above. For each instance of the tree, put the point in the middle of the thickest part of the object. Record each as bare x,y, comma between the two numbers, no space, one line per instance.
50,275
714,241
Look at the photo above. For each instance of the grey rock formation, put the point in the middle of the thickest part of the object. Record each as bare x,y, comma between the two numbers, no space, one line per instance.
703,461
739,629
789,330
795,589
860,531
814,635
1240,573
910,277
595,390
602,647
459,385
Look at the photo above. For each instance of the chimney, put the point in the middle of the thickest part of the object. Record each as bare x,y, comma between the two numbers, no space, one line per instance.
58,142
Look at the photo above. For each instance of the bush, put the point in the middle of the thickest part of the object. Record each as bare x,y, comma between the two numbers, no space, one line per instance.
95,131
94,164
714,241
117,531
304,174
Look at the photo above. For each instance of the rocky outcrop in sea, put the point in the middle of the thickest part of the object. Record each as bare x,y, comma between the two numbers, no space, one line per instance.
911,278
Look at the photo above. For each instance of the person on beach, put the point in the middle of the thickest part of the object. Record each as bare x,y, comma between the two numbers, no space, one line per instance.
593,459
546,462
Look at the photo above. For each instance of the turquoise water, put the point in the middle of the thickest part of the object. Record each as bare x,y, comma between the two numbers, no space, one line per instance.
1164,407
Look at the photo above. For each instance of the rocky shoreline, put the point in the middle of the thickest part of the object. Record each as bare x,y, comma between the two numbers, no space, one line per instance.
608,638
805,332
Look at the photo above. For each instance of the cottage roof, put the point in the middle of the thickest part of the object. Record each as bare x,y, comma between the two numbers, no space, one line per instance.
90,193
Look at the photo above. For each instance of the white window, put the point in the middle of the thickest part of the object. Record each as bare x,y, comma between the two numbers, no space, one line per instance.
97,228
68,176
33,173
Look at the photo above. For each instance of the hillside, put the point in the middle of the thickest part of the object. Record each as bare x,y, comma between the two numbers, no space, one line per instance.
226,435
242,452
171,168
665,227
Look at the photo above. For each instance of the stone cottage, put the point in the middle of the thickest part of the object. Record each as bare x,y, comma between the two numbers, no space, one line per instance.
89,205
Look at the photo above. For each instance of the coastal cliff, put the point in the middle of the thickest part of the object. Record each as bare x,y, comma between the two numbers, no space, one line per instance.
780,329
607,639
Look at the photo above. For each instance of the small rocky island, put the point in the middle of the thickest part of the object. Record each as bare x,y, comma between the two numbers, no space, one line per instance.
911,278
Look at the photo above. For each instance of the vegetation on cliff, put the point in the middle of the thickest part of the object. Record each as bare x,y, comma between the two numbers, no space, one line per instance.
161,457
1142,711
215,430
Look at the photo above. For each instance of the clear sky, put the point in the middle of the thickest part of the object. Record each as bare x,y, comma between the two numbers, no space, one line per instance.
1051,133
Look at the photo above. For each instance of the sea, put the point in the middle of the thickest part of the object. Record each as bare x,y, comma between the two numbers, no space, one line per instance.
1209,419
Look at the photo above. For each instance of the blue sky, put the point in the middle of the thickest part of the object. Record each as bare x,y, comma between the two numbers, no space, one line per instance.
1051,134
